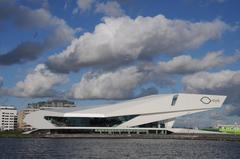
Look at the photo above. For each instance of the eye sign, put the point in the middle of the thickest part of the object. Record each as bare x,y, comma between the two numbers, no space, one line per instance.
205,100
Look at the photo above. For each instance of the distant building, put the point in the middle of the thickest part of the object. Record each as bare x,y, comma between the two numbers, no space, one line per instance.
32,107
8,118
51,103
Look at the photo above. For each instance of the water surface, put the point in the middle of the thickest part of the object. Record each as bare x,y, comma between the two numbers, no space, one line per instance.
117,148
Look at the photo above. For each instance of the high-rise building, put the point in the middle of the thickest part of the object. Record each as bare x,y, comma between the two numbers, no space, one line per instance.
32,107
8,118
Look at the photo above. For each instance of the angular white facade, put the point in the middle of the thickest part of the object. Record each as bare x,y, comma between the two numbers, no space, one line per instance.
159,111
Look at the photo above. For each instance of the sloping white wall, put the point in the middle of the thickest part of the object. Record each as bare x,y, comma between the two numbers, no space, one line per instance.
150,109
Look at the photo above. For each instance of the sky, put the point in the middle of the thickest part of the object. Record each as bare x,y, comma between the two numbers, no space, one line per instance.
105,51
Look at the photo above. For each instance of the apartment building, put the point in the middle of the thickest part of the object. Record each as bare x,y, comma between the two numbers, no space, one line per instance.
8,118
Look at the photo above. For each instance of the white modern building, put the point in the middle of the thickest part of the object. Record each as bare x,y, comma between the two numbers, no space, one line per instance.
8,118
151,112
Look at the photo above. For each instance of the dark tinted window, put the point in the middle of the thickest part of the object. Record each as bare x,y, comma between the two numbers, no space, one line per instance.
174,100
88,122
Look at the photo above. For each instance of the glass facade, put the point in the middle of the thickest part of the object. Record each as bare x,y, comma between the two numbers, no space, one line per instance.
149,125
152,125
88,122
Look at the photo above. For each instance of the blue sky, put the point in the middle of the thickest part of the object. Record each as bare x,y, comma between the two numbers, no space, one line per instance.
96,52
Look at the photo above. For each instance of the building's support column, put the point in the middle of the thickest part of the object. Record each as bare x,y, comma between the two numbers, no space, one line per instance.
169,124
159,124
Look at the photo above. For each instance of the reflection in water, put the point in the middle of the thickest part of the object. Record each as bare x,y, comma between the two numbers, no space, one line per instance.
116,148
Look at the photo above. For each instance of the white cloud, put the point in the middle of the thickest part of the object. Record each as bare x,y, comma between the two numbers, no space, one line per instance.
26,17
123,82
110,8
85,5
61,35
38,83
206,81
121,40
185,64
58,32
110,85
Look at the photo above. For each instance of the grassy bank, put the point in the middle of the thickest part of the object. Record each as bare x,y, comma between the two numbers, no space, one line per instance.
211,129
12,133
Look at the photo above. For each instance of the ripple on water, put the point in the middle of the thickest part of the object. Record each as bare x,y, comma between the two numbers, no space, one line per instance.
117,148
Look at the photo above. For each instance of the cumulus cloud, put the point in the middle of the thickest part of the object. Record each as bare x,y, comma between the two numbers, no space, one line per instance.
185,64
123,82
26,51
212,81
26,18
119,40
85,5
226,82
109,85
110,8
38,83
